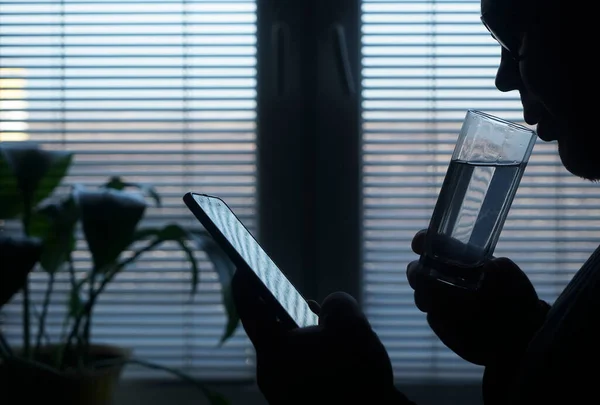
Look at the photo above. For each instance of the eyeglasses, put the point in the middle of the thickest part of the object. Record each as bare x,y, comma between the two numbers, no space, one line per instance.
507,37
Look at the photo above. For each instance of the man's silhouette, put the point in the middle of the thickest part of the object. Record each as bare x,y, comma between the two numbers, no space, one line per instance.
533,353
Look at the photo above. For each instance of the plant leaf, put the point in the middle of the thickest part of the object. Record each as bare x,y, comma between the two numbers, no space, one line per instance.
75,303
176,233
193,263
233,319
18,256
225,270
109,219
146,233
38,172
117,183
11,203
173,232
215,398
58,232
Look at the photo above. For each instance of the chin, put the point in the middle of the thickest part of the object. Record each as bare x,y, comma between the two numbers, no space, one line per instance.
581,159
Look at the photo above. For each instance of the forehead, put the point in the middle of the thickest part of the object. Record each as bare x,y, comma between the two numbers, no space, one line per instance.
486,5
504,6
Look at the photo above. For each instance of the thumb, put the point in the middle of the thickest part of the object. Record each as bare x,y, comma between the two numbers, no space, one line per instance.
418,243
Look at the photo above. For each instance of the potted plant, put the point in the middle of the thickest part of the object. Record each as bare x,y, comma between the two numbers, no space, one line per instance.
75,369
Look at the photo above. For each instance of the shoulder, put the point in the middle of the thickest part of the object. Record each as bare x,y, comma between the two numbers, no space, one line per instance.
559,356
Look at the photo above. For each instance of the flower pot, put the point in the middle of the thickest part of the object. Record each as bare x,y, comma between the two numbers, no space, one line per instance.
28,382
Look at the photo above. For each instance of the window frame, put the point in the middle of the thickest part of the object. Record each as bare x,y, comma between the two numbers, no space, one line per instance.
309,142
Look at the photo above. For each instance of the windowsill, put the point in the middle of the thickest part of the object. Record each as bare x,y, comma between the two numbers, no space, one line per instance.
175,393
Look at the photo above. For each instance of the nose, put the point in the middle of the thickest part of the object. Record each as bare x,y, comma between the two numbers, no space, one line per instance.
508,77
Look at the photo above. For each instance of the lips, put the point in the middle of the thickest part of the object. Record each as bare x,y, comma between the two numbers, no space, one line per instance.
532,108
532,112
546,130
531,118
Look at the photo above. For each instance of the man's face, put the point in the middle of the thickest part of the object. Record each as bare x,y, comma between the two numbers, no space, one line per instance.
533,63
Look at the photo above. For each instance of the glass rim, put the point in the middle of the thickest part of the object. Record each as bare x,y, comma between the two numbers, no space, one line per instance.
501,121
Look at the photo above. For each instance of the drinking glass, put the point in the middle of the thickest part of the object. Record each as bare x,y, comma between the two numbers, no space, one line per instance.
488,162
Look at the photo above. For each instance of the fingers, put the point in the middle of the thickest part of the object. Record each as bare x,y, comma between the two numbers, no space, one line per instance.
423,300
416,274
431,295
412,272
258,321
314,306
418,281
446,329
418,242
502,270
341,311
502,274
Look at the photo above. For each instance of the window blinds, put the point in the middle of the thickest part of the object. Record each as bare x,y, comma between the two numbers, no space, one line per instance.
159,92
424,64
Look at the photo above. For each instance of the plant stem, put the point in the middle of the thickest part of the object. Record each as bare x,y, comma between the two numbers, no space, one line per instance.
213,398
6,351
68,343
38,316
119,267
87,308
26,320
75,329
3,353
26,335
72,277
73,281
46,304
207,393
88,318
